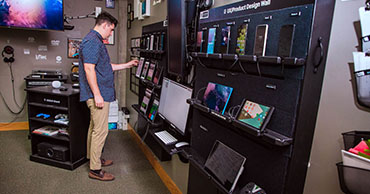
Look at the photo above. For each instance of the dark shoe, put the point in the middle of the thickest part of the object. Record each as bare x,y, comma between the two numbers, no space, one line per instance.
102,176
106,162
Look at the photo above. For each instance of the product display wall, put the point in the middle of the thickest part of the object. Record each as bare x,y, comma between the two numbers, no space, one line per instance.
271,68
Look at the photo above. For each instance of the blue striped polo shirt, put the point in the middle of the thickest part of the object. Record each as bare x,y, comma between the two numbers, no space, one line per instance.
93,50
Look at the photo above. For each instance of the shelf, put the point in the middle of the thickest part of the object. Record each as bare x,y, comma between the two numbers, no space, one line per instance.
150,84
48,106
170,149
53,101
276,138
66,165
48,121
57,137
267,135
270,59
248,58
288,61
198,164
159,52
292,61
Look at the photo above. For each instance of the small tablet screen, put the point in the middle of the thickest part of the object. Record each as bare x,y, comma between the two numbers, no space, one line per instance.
217,96
253,114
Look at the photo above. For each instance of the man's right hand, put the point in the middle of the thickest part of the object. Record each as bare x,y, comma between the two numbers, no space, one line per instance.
99,101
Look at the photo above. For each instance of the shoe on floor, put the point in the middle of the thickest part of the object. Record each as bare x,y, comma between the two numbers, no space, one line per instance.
106,162
102,176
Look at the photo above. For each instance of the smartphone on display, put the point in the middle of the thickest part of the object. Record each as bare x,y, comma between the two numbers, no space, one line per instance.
157,75
153,111
140,67
241,40
161,42
286,40
225,39
211,40
145,70
260,40
151,71
199,41
151,42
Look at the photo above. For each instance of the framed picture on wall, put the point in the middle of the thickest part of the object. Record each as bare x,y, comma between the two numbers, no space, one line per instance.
73,47
109,4
129,8
128,24
131,16
109,40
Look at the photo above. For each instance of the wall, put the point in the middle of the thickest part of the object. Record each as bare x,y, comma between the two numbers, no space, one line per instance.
177,170
338,111
24,64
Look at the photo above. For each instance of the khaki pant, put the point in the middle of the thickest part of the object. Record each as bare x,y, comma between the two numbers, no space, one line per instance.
98,131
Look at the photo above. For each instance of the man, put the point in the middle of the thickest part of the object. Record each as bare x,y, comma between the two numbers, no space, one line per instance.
97,89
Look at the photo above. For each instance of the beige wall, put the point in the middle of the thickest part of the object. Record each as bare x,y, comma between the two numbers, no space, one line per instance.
24,64
338,111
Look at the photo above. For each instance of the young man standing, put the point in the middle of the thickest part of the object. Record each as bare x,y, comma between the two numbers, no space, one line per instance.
97,89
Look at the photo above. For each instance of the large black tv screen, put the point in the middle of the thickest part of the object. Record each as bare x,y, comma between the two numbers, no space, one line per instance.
34,14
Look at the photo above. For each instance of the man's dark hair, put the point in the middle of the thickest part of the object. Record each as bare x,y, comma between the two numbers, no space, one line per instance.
106,17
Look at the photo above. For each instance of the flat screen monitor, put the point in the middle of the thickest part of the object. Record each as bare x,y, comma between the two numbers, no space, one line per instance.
225,165
172,104
32,14
217,96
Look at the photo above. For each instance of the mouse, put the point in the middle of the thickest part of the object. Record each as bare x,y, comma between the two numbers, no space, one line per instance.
181,144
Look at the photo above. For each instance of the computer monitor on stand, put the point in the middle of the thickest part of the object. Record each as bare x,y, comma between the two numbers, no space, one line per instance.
172,106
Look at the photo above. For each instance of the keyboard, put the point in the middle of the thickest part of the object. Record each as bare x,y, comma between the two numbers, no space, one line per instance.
166,137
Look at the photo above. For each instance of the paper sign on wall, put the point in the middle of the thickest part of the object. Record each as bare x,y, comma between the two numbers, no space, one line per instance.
41,57
31,40
43,48
26,51
55,42
58,59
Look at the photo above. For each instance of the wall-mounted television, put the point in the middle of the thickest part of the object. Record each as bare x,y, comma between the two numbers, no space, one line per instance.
32,14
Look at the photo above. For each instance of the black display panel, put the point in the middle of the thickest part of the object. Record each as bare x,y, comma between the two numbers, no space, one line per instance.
176,37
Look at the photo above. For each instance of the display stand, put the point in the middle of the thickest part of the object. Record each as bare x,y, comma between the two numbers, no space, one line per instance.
276,157
146,127
52,102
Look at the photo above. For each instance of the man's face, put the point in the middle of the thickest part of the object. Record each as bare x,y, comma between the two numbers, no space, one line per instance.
107,30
